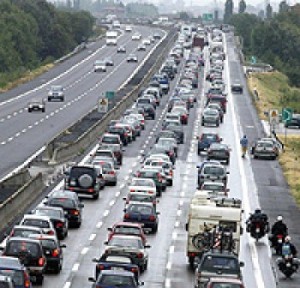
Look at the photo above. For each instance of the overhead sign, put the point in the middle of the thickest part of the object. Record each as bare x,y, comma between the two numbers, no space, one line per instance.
207,17
287,114
253,60
102,105
110,95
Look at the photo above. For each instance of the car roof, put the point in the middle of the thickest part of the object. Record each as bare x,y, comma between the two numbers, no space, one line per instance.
128,224
63,194
116,272
10,262
33,228
34,216
23,239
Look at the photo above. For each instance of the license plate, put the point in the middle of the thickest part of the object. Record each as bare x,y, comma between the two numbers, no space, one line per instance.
117,268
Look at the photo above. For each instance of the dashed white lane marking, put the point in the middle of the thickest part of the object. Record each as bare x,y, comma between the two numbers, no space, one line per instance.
75,267
122,186
126,178
167,283
134,164
182,193
106,212
99,225
10,139
177,223
8,116
174,235
92,237
112,203
169,265
179,212
67,284
84,250
172,249
117,193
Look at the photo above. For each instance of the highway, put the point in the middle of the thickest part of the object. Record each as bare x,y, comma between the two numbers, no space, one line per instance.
259,183
25,133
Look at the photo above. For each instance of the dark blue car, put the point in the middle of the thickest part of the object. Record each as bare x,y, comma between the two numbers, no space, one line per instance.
11,266
115,279
206,139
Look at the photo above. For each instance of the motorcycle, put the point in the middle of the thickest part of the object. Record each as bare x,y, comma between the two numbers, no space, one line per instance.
277,243
288,265
257,230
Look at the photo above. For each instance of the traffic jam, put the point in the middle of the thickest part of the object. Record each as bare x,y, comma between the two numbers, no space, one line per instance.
34,247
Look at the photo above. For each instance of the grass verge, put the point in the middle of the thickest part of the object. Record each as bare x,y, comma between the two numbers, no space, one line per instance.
275,93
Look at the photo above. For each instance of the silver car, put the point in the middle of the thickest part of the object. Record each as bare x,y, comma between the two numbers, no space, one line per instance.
56,93
265,149
211,117
108,171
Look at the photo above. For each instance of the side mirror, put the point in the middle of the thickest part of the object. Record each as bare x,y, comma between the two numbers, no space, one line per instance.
157,213
91,279
80,205
109,229
147,246
95,260
242,264
186,226
124,198
221,139
227,172
63,246
105,243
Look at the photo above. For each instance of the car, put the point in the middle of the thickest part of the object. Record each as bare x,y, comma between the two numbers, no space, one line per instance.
128,28
84,179
127,228
212,172
52,250
100,66
137,117
129,130
136,36
108,61
168,142
121,49
36,105
221,282
217,188
6,282
121,131
178,130
164,148
130,244
146,41
219,151
141,47
167,134
108,138
182,111
265,149
293,122
213,262
143,185
115,278
69,202
12,267
137,127
40,221
117,151
56,93
132,58
206,139
221,99
210,117
116,262
30,254
237,88
108,171
140,197
215,105
149,110
157,36
58,218
144,213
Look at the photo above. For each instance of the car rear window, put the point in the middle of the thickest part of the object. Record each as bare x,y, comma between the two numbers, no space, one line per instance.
140,198
225,263
78,171
62,202
225,285
16,275
36,223
48,243
213,170
126,242
24,233
14,248
117,280
127,230
49,212
111,140
140,209
148,174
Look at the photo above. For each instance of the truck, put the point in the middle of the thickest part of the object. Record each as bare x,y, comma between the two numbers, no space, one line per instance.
206,215
199,41
111,38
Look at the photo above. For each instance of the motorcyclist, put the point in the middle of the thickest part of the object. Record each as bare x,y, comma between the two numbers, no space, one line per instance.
258,216
288,248
278,228
244,145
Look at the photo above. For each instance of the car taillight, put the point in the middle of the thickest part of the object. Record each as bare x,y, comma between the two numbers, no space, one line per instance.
50,232
101,267
59,225
126,216
140,255
27,283
159,177
74,212
111,172
132,190
91,190
150,192
71,188
41,261
134,270
152,218
170,153
55,253
171,173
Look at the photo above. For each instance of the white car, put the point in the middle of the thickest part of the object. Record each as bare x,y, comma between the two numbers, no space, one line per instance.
146,42
99,66
136,36
132,58
39,221
36,105
142,185
128,28
141,47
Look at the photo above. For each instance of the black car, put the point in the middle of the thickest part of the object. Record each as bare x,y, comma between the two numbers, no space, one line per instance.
218,151
71,204
144,213
121,131
178,130
30,254
84,179
294,122
57,217
166,134
149,110
52,251
12,267
237,88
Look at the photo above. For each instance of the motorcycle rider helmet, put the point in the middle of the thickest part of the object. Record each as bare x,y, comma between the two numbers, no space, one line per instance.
287,239
257,211
279,218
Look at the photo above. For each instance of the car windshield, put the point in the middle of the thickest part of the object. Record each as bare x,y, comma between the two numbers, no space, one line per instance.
142,182
16,275
62,202
116,281
36,223
213,170
126,242
224,263
56,88
14,248
110,139
127,230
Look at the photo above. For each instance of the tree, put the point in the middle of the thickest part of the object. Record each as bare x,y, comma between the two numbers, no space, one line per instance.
269,11
228,10
283,7
242,6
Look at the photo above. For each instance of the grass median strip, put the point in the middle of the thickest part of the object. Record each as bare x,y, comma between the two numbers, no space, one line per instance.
274,92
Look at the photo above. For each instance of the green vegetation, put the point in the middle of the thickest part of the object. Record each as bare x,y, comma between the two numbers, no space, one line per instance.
275,92
275,41
136,9
34,32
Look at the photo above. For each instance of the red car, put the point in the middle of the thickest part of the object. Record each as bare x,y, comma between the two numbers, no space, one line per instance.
127,228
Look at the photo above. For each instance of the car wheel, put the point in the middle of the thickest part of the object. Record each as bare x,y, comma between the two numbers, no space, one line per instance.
96,196
202,123
43,110
218,124
57,268
171,182
228,161
39,279
29,110
115,183
154,229
145,266
49,99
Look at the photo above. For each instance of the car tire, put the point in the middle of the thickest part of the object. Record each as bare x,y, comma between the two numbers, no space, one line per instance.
171,183
29,110
227,162
43,110
39,279
154,229
115,183
96,196
85,180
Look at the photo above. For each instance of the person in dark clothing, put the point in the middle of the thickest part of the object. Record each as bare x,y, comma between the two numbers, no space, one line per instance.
278,228
258,216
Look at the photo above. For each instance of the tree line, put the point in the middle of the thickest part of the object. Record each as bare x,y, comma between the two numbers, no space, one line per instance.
274,39
33,32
